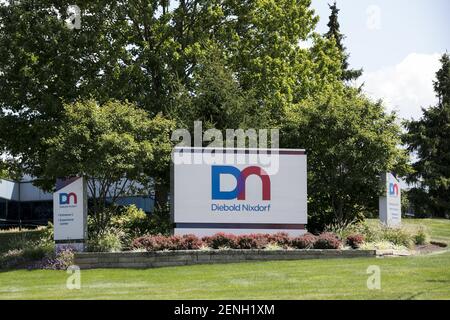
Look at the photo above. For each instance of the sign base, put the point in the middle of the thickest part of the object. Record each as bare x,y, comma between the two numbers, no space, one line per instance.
74,246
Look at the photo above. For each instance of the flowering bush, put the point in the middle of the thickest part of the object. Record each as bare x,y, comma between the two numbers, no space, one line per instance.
185,242
110,240
327,240
305,241
355,240
158,243
221,240
252,241
247,241
61,261
281,238
152,243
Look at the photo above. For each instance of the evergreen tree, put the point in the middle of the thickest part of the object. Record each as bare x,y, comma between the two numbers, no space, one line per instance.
335,33
429,138
442,83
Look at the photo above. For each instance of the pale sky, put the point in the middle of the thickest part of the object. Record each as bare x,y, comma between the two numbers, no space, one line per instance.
398,44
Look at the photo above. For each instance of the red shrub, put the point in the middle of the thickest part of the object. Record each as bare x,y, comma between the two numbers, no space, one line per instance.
189,242
355,240
221,240
153,243
281,238
251,241
139,243
158,243
327,240
305,241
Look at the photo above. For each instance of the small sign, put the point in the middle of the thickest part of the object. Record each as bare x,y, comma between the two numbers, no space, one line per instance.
390,202
70,213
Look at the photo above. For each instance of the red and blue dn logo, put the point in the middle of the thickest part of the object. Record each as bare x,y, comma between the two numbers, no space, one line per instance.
240,176
64,198
393,189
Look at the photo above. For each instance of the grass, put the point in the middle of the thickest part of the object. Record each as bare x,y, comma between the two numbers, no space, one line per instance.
418,277
440,228
423,277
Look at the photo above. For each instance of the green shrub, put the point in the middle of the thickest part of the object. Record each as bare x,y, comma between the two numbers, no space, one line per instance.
47,235
160,222
380,245
29,253
371,233
397,236
130,223
11,258
38,251
27,247
405,236
131,219
12,239
110,240
421,236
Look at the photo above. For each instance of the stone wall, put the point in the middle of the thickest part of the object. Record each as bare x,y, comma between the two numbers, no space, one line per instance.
91,260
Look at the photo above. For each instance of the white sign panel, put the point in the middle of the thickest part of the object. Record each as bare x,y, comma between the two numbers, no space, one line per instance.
70,211
390,203
238,191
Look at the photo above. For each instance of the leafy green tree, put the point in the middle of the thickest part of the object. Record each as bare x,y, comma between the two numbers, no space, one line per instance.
219,101
429,140
165,57
44,64
10,169
335,33
116,146
350,141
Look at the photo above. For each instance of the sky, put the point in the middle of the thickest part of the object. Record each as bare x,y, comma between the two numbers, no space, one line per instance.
398,43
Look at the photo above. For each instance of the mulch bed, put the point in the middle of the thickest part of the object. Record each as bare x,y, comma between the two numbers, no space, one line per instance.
429,248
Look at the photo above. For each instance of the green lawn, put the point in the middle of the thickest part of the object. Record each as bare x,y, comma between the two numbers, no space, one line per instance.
419,277
439,228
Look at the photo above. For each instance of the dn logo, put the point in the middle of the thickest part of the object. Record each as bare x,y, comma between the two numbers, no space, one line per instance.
64,198
241,177
393,189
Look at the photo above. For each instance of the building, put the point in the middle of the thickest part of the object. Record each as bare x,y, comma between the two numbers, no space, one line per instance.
22,203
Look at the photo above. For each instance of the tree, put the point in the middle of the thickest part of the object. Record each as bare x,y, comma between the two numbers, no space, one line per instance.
116,146
335,33
350,141
10,169
217,99
151,52
442,83
44,64
428,139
